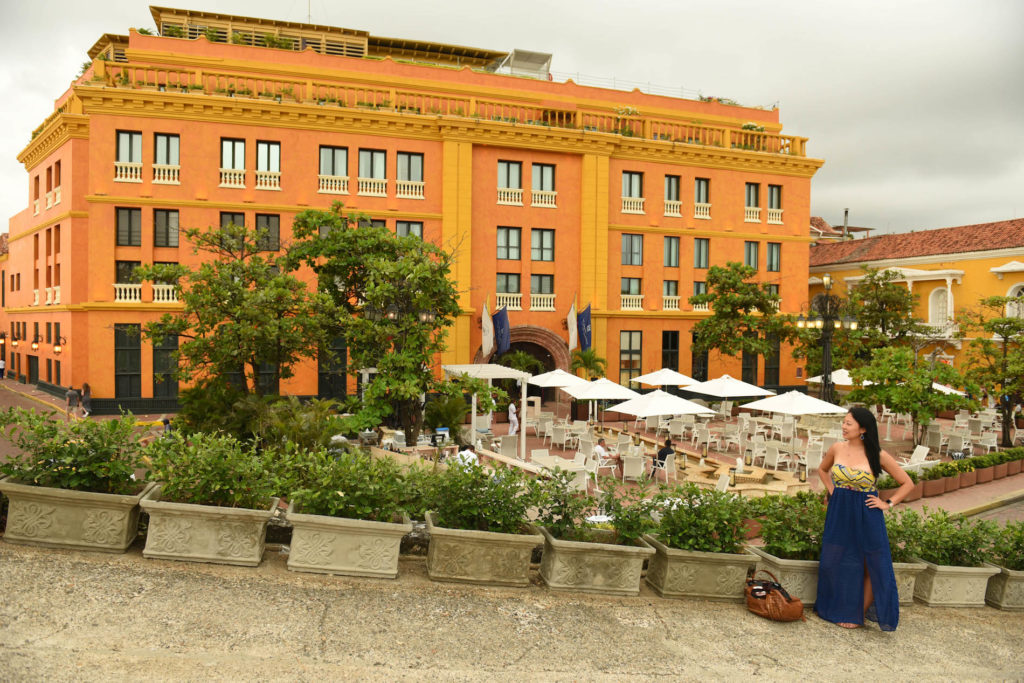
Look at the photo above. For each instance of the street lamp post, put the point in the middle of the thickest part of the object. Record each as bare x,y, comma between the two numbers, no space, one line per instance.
825,315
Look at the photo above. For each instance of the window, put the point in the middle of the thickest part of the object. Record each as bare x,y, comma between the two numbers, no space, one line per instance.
672,188
127,361
670,349
542,244
775,196
125,272
508,283
542,284
753,195
774,257
701,191
631,285
700,287
698,361
409,229
509,243
164,383
232,154
701,248
750,255
129,227
632,184
268,226
268,156
672,252
231,218
670,288
632,250
372,164
373,222
544,177
938,306
129,147
410,166
332,370
334,161
510,175
629,355
773,290
166,149
165,228
749,366
771,363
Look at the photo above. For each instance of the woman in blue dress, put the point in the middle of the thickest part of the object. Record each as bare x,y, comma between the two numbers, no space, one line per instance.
855,576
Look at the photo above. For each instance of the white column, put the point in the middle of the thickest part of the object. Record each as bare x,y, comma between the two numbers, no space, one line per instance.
949,299
522,415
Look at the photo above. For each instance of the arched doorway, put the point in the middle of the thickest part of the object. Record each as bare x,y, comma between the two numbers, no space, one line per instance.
543,344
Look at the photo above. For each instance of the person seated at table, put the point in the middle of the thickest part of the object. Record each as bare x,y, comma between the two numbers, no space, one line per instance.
659,459
602,454
467,457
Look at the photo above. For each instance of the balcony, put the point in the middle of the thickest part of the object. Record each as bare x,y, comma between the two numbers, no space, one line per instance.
702,308
164,294
632,302
673,208
127,293
35,297
409,189
702,211
510,196
513,301
543,198
332,184
775,216
233,178
127,172
268,180
633,205
165,174
373,187
49,199
48,296
56,295
670,303
542,302
752,214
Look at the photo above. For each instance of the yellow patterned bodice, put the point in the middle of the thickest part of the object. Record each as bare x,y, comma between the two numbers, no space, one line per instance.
852,478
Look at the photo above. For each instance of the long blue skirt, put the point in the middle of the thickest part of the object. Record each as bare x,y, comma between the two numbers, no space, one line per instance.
855,540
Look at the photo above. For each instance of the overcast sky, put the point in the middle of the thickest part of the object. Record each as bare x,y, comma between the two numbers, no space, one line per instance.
916,106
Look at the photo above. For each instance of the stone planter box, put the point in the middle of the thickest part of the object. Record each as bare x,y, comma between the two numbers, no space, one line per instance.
593,567
1013,467
61,518
952,483
934,487
984,474
999,471
676,573
350,547
798,577
968,479
906,579
205,533
482,557
1006,590
945,586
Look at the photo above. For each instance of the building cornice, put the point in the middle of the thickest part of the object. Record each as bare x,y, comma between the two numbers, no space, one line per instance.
50,222
253,206
708,232
56,132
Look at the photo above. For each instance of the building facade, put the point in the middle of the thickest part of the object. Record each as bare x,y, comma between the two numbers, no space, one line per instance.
550,193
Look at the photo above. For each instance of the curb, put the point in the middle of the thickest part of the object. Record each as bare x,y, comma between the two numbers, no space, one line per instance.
1002,500
37,399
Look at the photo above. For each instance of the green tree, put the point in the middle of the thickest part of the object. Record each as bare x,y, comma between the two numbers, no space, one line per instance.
995,354
521,360
593,365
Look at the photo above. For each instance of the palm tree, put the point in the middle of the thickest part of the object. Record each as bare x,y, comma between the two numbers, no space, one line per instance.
521,360
588,361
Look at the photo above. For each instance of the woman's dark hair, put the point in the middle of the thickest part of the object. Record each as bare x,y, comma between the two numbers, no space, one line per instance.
866,419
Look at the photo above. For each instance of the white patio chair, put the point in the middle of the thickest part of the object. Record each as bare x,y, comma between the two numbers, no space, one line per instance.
561,436
651,423
542,452
919,455
676,429
607,463
732,436
581,457
703,435
510,446
668,466
771,458
990,441
959,443
725,410
935,440
812,458
633,467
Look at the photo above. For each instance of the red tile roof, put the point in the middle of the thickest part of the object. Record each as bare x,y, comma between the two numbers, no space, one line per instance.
823,227
980,237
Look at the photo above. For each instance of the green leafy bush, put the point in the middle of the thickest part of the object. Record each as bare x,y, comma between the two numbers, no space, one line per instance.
886,482
1008,548
980,461
630,511
562,510
475,499
701,519
934,472
82,455
447,411
950,540
793,526
352,485
904,529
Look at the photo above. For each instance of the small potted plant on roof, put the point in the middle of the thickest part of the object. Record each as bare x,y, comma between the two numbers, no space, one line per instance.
792,530
1006,589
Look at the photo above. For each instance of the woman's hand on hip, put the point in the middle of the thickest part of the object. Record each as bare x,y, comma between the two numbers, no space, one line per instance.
877,503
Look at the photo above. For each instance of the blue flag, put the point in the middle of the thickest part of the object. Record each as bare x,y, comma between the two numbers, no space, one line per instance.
502,333
583,328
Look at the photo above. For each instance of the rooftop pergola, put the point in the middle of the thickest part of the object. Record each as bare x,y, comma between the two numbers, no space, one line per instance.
490,372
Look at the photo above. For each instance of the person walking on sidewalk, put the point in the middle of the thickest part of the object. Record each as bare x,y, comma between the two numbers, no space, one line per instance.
71,400
3,367
86,400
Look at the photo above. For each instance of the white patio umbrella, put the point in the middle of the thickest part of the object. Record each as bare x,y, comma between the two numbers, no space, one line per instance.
947,390
557,379
795,403
728,387
840,378
601,390
659,402
664,377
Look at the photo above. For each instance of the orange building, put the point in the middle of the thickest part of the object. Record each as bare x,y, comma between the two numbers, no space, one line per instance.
550,192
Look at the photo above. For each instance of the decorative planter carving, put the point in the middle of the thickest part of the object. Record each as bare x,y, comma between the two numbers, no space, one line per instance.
676,573
350,547
593,567
798,577
934,487
906,579
482,557
1006,590
61,518
984,474
205,533
946,586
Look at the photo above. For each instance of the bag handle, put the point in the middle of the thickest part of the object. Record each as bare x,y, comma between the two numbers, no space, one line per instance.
754,575
782,590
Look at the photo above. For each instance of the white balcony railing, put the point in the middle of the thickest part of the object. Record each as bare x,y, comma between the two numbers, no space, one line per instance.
632,302
232,177
332,184
542,302
511,301
702,211
165,174
268,180
775,216
409,189
702,308
544,198
752,214
512,196
49,296
127,293
56,195
632,205
164,294
56,295
35,207
373,187
49,199
670,303
673,208
127,172
35,297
